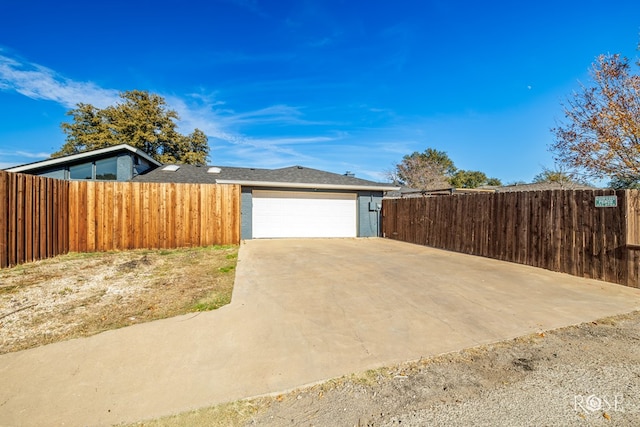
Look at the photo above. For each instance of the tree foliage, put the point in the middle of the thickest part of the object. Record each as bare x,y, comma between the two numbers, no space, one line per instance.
494,182
560,176
434,169
625,182
424,170
472,179
601,134
141,120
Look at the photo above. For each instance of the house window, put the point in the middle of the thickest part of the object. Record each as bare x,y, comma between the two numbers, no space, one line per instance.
107,169
140,165
101,170
82,171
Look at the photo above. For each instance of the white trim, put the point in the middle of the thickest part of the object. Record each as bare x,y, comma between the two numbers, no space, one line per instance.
307,185
80,156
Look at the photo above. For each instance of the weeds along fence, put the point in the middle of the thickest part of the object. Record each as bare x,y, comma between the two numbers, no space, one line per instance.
559,230
44,217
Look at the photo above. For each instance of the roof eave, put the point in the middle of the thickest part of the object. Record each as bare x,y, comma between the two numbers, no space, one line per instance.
307,185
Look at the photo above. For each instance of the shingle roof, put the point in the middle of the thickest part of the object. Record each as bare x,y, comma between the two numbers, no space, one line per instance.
288,175
404,192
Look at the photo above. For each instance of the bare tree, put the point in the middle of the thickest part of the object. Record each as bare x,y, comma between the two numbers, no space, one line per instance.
559,175
426,170
601,135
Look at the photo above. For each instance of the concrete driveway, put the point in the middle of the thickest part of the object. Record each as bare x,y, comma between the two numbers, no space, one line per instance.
302,311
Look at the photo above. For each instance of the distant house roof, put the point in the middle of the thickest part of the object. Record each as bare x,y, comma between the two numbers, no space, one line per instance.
289,177
82,156
405,192
542,186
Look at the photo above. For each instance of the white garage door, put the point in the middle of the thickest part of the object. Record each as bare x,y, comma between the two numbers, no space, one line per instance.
303,214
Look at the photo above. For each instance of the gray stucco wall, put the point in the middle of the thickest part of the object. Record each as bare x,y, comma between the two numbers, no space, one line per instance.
246,214
54,173
125,167
367,211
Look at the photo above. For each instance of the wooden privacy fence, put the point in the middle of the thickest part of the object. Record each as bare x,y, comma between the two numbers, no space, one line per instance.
130,215
44,217
560,230
33,218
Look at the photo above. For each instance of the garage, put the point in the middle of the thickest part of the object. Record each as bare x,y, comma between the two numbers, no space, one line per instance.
303,214
291,202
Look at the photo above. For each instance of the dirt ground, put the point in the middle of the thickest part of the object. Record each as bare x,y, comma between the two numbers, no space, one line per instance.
81,294
584,375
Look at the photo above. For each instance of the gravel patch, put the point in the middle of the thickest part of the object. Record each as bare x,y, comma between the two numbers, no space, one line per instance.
584,375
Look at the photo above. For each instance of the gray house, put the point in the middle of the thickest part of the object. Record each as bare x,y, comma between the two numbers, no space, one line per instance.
291,202
117,163
276,203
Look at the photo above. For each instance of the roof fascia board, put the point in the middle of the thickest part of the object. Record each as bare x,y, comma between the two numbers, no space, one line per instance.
83,155
307,185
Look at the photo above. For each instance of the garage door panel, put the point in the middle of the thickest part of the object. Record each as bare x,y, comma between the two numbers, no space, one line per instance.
303,214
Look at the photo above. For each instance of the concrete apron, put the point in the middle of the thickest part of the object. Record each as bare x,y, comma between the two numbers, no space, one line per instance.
302,311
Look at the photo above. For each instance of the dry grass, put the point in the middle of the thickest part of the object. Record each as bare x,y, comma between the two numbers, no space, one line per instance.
224,415
82,294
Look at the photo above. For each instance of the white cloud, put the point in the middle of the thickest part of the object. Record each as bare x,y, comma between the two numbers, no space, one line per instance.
222,124
281,114
299,140
196,110
38,82
203,116
20,157
30,155
23,154
5,165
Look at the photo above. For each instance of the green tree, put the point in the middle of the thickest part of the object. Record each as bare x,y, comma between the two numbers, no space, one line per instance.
141,120
424,170
601,134
472,179
621,182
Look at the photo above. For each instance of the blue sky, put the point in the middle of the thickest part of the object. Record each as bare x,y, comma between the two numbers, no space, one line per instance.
335,85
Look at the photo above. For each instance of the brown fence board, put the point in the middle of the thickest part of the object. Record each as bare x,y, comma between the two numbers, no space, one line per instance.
632,211
12,221
557,230
4,216
29,225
